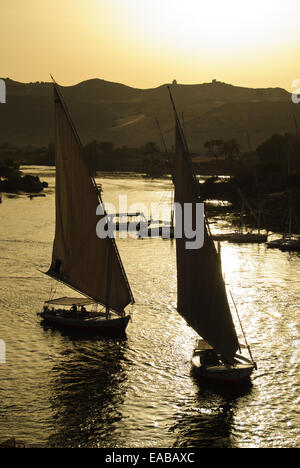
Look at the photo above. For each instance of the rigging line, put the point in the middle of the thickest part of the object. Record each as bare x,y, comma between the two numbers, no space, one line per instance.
248,347
164,146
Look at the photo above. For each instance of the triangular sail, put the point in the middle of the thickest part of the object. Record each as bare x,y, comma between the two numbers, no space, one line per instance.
201,293
80,259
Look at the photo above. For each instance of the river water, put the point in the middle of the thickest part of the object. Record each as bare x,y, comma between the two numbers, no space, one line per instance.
59,390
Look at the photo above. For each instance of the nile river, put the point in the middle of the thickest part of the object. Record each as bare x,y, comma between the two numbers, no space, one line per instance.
59,390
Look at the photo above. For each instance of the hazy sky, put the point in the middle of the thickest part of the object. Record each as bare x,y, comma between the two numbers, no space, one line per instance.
145,43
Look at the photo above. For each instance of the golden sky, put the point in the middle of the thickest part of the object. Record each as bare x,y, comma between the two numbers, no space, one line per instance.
145,43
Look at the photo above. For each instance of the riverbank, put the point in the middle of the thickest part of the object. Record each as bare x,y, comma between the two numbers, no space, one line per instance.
27,183
222,193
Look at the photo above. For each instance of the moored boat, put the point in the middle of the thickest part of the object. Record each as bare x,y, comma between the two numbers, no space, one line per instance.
290,244
242,238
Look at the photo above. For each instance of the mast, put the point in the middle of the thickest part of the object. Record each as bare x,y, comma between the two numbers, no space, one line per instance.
172,211
108,281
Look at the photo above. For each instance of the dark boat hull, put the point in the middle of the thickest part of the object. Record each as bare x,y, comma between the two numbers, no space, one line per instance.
233,375
286,244
274,244
237,238
101,326
290,247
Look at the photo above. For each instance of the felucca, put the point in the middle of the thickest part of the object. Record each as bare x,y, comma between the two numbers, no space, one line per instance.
86,263
201,293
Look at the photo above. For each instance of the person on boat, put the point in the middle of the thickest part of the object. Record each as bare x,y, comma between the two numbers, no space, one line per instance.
83,312
45,309
74,310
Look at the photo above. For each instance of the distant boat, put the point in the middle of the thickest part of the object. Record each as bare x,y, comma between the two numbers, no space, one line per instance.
31,196
242,236
81,260
201,293
161,228
288,242
127,221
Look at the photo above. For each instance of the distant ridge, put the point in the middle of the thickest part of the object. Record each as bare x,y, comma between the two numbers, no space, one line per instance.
107,111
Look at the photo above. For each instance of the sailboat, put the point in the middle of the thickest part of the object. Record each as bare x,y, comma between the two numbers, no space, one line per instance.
82,261
242,236
288,241
201,293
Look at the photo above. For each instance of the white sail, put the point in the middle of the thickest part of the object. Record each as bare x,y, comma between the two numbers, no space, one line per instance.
80,259
201,293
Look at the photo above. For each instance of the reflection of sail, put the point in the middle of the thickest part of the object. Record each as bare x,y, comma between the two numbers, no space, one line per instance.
86,397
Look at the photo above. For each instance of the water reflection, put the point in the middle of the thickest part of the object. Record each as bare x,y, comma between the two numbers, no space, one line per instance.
87,390
209,420
59,391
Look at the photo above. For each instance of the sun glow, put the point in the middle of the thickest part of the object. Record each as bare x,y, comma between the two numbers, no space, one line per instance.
146,43
211,27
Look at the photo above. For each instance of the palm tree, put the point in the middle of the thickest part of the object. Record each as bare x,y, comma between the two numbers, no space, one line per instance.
230,149
213,147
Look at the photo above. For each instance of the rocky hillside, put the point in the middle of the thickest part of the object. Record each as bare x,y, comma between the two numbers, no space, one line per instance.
106,111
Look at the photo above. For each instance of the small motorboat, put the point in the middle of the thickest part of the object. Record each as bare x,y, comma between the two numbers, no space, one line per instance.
290,244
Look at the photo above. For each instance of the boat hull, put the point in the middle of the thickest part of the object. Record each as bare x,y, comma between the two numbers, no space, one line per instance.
237,374
290,247
101,326
286,244
242,238
274,244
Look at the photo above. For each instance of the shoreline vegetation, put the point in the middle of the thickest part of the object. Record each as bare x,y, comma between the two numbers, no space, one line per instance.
13,181
264,183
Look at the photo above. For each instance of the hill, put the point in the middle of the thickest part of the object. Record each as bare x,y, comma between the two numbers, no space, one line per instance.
106,111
